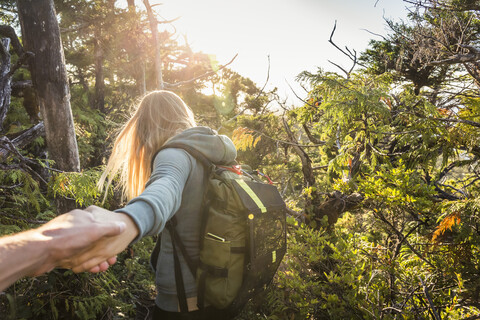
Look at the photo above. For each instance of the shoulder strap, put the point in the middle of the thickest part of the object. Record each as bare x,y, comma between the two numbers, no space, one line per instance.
192,151
175,237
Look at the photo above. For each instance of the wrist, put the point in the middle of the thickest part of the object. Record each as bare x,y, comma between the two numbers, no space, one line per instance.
131,230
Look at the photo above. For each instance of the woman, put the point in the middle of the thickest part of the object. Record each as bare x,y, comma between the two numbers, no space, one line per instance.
172,187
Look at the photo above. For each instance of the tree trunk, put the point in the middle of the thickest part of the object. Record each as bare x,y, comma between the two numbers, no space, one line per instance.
41,35
156,41
99,75
136,55
5,81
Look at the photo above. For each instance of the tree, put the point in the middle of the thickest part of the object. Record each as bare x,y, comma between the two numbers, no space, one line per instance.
41,36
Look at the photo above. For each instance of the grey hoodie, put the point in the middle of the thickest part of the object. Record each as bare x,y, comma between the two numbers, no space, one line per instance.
176,188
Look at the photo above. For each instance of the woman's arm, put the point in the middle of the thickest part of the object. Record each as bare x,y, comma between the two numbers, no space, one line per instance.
144,215
37,251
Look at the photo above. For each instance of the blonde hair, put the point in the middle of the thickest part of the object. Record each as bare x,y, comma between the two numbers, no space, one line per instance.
159,116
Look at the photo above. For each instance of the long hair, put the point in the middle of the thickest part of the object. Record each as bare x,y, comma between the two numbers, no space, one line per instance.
159,116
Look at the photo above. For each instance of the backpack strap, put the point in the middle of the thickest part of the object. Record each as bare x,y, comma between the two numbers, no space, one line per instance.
175,237
207,164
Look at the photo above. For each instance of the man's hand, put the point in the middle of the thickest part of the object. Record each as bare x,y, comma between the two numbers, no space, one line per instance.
37,251
73,233
98,256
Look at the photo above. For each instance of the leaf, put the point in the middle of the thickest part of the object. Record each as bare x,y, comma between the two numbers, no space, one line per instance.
447,224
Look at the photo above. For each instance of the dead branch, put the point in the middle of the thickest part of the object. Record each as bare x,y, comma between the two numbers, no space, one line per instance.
347,52
167,21
21,141
9,32
296,95
207,74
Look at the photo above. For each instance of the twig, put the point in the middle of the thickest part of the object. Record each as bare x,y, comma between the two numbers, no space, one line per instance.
474,317
339,67
375,34
430,302
296,95
181,83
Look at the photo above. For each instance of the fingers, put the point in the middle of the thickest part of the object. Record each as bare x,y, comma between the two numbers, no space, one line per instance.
95,269
112,260
95,264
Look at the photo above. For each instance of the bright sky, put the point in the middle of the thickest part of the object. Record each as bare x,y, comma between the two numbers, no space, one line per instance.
294,33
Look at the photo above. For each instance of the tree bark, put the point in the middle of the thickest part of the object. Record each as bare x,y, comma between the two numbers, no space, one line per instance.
41,35
5,80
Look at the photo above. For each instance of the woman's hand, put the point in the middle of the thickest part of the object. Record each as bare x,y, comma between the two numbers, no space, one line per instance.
103,253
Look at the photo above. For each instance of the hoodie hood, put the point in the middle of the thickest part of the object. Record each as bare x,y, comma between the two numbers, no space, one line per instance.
217,148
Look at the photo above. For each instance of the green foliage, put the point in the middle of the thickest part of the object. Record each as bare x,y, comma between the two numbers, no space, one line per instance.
399,131
80,186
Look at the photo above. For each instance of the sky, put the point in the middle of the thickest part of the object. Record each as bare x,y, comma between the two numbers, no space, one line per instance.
293,33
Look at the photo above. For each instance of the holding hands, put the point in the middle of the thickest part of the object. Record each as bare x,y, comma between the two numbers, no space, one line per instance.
97,257
84,240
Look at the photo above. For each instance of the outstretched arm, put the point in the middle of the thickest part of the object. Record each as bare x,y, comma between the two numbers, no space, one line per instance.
37,251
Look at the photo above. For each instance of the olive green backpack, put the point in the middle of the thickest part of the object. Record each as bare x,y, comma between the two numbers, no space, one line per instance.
242,238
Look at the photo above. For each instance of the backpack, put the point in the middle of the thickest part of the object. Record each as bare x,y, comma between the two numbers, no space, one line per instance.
242,237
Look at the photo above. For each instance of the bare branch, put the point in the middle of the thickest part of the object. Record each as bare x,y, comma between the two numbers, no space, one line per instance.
21,141
375,34
310,136
351,55
207,74
9,32
296,95
168,21
339,67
